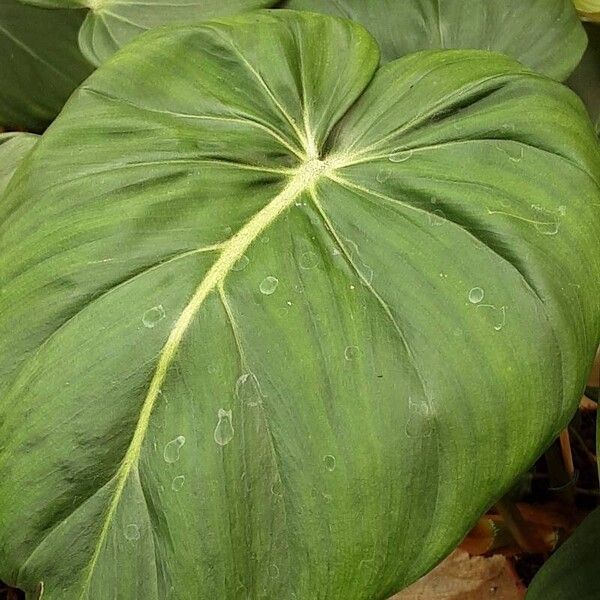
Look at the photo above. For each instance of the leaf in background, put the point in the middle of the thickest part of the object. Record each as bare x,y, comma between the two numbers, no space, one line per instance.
585,80
572,571
588,9
545,35
13,148
111,24
269,312
41,63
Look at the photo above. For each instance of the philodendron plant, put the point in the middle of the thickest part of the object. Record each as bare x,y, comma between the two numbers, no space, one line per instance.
278,322
282,322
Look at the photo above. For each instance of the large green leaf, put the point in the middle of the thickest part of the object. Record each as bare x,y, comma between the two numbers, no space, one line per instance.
110,24
278,323
545,35
13,148
586,78
40,63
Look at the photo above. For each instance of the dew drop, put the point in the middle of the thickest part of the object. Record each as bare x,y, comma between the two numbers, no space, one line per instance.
171,451
420,419
308,260
351,352
277,488
132,532
153,315
400,157
224,430
241,263
268,285
329,461
499,314
476,295
247,390
274,571
177,483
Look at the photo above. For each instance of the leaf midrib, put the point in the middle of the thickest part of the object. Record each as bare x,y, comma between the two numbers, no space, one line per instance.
303,180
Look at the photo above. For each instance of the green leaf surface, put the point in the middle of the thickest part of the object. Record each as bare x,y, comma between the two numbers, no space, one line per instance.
545,35
40,63
572,572
585,80
13,149
110,24
282,323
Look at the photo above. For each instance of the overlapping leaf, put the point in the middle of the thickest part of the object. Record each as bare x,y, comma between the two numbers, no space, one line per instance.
40,63
110,24
543,34
270,311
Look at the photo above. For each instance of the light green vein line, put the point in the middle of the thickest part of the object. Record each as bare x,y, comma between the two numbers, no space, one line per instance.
231,252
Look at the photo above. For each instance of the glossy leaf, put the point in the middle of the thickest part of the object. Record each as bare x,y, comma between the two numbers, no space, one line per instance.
13,148
543,34
110,24
586,78
40,63
270,311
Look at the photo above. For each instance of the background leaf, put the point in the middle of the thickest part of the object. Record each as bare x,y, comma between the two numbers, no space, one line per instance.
572,572
585,80
589,9
110,24
543,34
269,312
41,64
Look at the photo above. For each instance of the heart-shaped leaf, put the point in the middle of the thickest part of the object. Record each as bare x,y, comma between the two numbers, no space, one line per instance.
545,35
278,323
110,24
13,148
40,63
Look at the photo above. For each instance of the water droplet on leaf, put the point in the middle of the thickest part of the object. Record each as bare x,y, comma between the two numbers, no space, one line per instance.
399,157
132,532
224,430
177,483
308,260
268,285
420,419
351,352
329,461
241,263
247,390
476,295
153,315
171,451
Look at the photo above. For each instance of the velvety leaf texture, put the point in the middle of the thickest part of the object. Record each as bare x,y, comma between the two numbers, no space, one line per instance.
279,323
545,35
40,63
